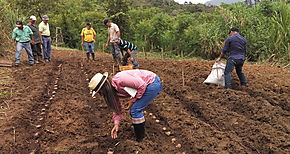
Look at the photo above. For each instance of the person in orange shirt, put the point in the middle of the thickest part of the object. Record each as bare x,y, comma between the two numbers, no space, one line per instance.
88,39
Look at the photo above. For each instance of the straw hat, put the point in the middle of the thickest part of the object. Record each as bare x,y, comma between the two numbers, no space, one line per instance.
97,82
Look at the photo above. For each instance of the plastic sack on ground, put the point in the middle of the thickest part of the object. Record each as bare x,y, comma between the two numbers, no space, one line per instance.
217,74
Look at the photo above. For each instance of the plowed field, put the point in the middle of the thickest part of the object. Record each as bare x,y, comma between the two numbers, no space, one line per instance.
53,112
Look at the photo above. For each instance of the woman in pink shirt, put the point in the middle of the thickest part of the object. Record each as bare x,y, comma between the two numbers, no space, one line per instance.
141,86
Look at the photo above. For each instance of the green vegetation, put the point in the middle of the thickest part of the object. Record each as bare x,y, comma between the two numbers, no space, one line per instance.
8,16
163,25
4,94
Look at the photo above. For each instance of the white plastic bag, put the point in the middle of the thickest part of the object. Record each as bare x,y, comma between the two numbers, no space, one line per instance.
217,74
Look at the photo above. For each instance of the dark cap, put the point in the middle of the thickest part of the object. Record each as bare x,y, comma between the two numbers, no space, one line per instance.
19,23
106,21
234,29
89,24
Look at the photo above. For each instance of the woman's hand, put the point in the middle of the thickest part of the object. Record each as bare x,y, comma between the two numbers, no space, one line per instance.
127,105
114,131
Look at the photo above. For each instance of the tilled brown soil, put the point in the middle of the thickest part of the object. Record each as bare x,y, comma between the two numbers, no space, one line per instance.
54,113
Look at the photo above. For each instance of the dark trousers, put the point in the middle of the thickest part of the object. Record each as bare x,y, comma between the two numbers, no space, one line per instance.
115,49
36,49
231,64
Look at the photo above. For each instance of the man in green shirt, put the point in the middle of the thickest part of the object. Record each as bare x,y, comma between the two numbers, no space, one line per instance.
23,36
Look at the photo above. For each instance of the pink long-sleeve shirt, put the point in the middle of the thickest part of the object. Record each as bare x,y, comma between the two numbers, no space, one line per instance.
137,79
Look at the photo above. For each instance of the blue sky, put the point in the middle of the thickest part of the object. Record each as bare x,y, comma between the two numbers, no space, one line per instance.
192,1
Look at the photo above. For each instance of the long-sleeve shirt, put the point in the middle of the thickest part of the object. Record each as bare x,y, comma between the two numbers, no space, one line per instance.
236,45
136,79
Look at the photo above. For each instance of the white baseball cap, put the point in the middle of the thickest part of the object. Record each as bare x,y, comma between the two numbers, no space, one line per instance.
33,18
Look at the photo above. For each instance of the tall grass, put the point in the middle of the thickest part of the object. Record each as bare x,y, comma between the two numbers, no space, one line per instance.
8,17
281,25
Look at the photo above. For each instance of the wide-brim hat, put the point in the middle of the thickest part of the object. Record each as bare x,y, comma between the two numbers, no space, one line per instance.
97,82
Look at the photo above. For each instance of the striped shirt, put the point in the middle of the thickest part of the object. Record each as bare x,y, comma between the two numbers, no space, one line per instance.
125,45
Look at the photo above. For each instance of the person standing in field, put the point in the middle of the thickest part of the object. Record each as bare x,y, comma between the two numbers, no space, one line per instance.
131,52
23,36
113,32
88,39
45,34
236,45
36,47
140,86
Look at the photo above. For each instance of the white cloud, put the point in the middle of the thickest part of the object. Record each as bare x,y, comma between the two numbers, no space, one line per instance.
192,1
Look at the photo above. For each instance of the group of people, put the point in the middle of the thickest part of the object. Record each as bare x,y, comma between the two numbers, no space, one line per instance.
114,42
31,37
139,86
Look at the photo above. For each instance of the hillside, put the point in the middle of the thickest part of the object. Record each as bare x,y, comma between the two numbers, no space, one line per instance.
218,2
155,3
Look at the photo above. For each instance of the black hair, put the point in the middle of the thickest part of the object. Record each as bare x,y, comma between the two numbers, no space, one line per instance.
19,22
106,21
234,29
89,24
110,95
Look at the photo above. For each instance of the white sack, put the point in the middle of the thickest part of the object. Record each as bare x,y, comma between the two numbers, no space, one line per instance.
217,74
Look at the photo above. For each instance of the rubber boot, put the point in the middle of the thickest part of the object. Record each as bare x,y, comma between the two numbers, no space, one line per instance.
139,130
93,55
88,56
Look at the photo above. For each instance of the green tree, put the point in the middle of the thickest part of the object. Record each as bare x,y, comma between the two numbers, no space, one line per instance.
117,11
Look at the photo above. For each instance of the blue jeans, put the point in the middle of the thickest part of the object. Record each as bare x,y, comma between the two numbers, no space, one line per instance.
46,48
19,47
115,49
152,90
89,47
134,56
231,64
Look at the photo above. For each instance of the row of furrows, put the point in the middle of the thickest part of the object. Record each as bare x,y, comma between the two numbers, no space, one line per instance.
188,125
40,110
246,102
253,105
253,135
247,105
200,107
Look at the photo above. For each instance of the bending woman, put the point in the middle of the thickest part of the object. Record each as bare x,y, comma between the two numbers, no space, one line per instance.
141,86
